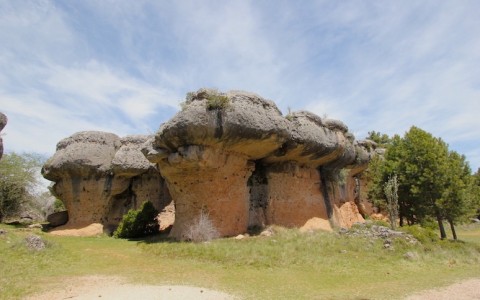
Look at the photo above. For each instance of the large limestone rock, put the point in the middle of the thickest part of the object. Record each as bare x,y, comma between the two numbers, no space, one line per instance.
3,122
99,176
205,154
232,156
296,190
235,157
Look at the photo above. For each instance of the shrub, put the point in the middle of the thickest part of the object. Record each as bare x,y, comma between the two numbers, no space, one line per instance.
216,101
201,229
424,235
138,223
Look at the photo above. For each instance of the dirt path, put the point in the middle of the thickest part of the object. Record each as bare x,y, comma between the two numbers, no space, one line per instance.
464,290
102,287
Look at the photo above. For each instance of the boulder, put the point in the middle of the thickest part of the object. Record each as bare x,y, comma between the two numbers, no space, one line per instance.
3,122
58,218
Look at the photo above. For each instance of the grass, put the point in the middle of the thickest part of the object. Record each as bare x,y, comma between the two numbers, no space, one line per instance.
288,265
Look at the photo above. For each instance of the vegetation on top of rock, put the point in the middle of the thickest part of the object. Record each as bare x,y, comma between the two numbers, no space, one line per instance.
214,98
217,101
138,223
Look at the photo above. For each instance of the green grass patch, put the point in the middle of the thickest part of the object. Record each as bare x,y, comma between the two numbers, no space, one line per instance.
288,265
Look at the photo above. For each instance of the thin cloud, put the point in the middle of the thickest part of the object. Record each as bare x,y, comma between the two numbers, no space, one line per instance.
124,66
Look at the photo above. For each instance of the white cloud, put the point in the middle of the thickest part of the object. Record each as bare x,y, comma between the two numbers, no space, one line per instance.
123,66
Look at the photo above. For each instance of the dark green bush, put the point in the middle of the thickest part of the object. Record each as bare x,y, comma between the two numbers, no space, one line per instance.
138,223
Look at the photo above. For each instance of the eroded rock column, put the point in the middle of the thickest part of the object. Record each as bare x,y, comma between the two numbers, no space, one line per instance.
206,180
88,199
294,195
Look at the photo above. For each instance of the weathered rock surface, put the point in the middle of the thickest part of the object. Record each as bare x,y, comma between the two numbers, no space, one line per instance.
234,156
294,195
99,176
58,218
205,154
3,122
231,156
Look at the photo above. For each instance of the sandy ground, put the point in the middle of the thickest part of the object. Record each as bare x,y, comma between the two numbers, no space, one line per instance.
78,230
465,290
101,287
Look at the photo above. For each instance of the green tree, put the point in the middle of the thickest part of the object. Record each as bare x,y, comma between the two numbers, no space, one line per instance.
432,181
456,201
382,139
422,170
18,181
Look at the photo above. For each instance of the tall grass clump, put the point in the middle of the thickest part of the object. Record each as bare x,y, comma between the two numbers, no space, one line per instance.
201,229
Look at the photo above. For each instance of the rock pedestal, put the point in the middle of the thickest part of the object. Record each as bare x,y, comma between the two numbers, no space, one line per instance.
212,181
295,195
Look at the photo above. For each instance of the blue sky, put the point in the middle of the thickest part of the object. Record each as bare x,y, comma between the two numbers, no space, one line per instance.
124,66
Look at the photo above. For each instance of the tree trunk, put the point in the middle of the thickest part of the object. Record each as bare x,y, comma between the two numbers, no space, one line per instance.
443,234
452,227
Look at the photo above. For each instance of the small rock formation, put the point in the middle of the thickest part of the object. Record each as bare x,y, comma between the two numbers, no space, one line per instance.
34,242
58,218
3,122
100,176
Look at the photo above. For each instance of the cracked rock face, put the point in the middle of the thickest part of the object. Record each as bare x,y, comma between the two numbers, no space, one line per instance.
311,142
99,176
3,122
205,154
232,156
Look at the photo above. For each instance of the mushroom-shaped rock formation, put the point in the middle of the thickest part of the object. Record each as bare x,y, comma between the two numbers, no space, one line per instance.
234,156
298,183
99,177
343,186
205,152
3,122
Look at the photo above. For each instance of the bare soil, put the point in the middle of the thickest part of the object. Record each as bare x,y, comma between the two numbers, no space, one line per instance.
103,287
464,290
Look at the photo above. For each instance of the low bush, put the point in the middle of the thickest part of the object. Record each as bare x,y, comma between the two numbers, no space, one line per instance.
138,223
217,102
422,234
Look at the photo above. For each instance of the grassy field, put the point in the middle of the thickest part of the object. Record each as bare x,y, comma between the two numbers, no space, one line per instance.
288,265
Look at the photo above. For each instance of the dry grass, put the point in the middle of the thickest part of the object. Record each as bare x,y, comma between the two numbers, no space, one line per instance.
288,265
